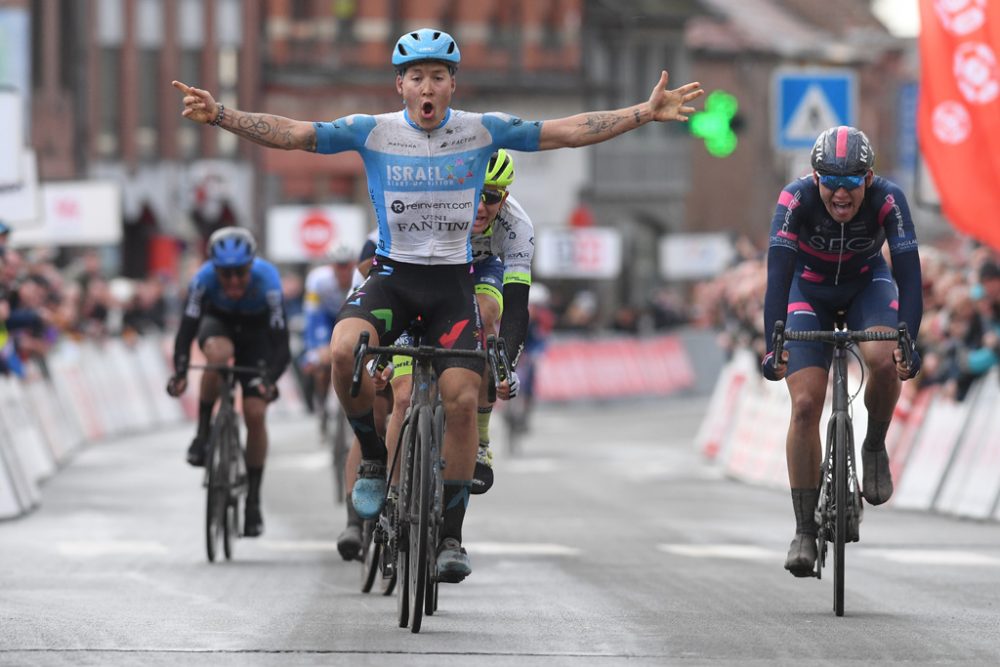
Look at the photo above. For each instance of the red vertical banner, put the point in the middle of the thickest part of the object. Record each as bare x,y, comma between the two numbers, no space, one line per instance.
958,120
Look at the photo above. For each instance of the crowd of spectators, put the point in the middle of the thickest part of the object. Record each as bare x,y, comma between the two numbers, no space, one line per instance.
959,339
42,302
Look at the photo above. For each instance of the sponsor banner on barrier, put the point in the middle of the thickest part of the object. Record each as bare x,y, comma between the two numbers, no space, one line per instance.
973,479
71,385
157,369
25,488
906,422
612,368
931,453
10,505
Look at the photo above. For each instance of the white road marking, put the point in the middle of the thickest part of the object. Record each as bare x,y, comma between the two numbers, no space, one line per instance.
933,557
737,551
91,548
297,545
520,549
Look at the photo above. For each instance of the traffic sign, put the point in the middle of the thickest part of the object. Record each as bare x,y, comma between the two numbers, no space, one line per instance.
806,102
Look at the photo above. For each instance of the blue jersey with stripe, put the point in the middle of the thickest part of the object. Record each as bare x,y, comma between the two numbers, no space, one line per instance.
425,185
262,299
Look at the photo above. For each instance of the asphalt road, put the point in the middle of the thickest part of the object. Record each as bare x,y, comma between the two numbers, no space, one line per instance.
607,542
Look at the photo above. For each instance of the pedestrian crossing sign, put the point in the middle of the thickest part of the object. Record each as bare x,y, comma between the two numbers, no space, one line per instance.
806,102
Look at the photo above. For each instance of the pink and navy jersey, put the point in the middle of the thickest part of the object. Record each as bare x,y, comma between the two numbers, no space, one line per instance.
807,244
829,252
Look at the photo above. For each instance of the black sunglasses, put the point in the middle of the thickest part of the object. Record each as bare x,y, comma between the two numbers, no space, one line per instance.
235,272
491,197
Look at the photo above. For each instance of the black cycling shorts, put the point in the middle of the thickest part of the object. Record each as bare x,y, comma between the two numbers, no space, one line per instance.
443,295
251,341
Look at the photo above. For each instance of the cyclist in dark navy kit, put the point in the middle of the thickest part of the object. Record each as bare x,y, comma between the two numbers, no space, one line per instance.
826,255
235,308
425,166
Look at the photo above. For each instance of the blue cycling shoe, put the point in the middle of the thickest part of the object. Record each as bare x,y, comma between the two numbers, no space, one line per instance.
368,494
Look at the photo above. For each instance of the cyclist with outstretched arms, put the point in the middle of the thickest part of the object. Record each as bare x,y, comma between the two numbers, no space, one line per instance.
235,309
425,166
825,256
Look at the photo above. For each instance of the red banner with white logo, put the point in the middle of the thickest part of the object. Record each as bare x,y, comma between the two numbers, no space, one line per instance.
959,114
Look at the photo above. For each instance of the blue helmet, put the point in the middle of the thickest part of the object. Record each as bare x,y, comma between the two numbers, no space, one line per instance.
425,44
231,247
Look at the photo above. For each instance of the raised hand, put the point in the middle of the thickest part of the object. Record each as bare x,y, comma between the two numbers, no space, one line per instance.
199,105
666,104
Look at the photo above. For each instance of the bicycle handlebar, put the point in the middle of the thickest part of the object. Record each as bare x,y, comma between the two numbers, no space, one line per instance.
495,354
843,337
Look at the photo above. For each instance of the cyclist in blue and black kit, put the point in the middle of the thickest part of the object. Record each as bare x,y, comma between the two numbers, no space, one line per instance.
235,308
825,255
425,166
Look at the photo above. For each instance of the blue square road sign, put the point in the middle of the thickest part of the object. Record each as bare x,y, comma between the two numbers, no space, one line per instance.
806,102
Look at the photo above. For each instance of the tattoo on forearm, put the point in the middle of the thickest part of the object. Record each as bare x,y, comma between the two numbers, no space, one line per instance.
638,116
266,130
601,123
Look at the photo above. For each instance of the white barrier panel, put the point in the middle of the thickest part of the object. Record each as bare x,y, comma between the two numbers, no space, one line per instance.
51,418
103,385
10,506
907,420
713,433
37,460
25,488
755,449
931,453
973,479
290,403
71,386
155,374
133,396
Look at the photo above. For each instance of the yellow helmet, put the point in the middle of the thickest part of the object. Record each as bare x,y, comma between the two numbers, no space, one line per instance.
500,170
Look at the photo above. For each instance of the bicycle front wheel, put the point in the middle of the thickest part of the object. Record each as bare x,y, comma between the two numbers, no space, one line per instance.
371,554
403,513
420,518
232,454
842,434
215,496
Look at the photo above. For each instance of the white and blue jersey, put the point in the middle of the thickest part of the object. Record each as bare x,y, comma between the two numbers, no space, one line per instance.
425,185
323,300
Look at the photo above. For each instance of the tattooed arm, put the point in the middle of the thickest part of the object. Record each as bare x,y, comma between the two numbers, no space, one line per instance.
597,126
264,129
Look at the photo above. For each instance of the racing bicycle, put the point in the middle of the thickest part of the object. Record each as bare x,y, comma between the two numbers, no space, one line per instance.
225,478
406,533
839,508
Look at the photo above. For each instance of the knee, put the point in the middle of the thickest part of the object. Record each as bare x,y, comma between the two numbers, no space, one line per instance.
254,412
400,400
463,401
806,409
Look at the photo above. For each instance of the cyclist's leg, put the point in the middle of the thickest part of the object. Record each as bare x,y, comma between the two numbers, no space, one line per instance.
215,339
459,394
255,418
875,308
490,301
349,540
402,385
251,348
808,372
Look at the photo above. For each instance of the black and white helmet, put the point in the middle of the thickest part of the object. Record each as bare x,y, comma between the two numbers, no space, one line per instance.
842,151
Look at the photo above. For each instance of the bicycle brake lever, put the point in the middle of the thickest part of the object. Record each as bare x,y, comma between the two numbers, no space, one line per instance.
778,341
360,352
905,344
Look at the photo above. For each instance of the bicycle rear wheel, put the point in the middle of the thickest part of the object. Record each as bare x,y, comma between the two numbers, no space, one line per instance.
420,518
843,425
215,496
371,554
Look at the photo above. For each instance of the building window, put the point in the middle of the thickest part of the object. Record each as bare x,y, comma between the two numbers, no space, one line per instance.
109,109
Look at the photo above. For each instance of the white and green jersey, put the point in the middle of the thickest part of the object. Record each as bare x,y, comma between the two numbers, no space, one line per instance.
511,237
